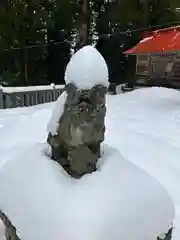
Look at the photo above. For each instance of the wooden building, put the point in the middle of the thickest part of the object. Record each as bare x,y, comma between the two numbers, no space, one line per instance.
158,58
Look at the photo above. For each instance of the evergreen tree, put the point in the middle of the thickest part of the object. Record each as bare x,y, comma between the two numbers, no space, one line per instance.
61,32
29,31
37,36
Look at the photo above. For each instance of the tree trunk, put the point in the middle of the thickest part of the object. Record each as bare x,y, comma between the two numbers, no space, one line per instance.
83,32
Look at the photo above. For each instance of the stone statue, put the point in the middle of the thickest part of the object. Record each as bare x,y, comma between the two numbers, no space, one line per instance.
81,130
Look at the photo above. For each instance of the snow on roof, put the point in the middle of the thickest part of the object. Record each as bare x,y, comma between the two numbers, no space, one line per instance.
119,201
146,39
87,68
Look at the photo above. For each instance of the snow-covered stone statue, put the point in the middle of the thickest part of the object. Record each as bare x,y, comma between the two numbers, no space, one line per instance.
75,141
39,198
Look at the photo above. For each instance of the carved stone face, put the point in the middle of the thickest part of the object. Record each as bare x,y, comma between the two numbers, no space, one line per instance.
84,115
86,100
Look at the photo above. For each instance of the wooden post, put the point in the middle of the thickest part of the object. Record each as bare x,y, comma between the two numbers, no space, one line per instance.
149,67
1,98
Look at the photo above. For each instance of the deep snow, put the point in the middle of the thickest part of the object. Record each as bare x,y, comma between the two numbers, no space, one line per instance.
143,125
119,201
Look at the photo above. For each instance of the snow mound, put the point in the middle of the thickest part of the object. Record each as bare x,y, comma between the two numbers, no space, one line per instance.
86,69
155,93
56,114
119,201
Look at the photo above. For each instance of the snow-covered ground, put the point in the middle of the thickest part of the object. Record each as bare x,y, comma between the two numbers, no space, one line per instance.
144,125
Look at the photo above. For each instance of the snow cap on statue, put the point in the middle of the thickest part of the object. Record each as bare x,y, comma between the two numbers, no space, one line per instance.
86,69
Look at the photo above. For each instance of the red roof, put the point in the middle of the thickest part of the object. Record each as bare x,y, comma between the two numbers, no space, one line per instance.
163,40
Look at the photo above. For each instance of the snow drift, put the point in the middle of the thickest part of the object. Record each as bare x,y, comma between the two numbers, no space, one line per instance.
119,201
